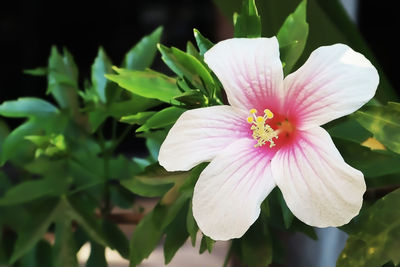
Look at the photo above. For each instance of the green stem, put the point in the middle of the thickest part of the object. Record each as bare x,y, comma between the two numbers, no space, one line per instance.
121,138
228,256
106,164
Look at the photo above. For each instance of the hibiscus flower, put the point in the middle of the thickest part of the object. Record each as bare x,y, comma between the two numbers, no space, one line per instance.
271,135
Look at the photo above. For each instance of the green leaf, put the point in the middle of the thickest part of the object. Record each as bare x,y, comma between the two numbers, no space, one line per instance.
192,99
286,213
64,253
176,236
383,122
121,197
116,238
154,139
5,183
134,105
248,22
256,245
142,54
299,226
292,37
373,163
202,42
96,118
30,190
15,142
147,83
120,109
74,208
4,131
143,189
163,118
350,130
155,181
188,186
27,107
186,65
206,244
191,225
149,231
97,256
43,254
29,259
166,210
63,79
145,238
275,212
41,71
20,150
101,66
122,168
377,239
84,176
138,118
34,229
53,145
192,50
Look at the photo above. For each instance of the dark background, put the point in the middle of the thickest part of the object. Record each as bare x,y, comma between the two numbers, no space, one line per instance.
29,28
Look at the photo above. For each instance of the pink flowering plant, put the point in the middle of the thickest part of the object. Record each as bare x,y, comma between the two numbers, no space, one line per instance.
253,140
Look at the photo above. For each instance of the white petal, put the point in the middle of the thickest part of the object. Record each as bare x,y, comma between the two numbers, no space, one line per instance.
199,134
334,81
317,185
250,71
229,192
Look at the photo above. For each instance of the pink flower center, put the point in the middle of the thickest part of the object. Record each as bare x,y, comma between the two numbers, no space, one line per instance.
271,129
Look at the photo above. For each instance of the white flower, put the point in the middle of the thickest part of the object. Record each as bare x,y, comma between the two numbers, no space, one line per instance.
270,135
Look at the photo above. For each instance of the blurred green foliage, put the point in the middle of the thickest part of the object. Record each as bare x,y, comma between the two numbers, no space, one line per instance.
64,177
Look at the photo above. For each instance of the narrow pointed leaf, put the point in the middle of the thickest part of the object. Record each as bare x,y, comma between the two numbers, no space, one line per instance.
142,54
188,66
63,79
41,71
27,107
101,66
202,42
138,118
30,190
163,118
176,236
191,225
292,37
248,22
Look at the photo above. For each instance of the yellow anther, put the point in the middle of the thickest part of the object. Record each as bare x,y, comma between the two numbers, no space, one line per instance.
268,113
262,132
